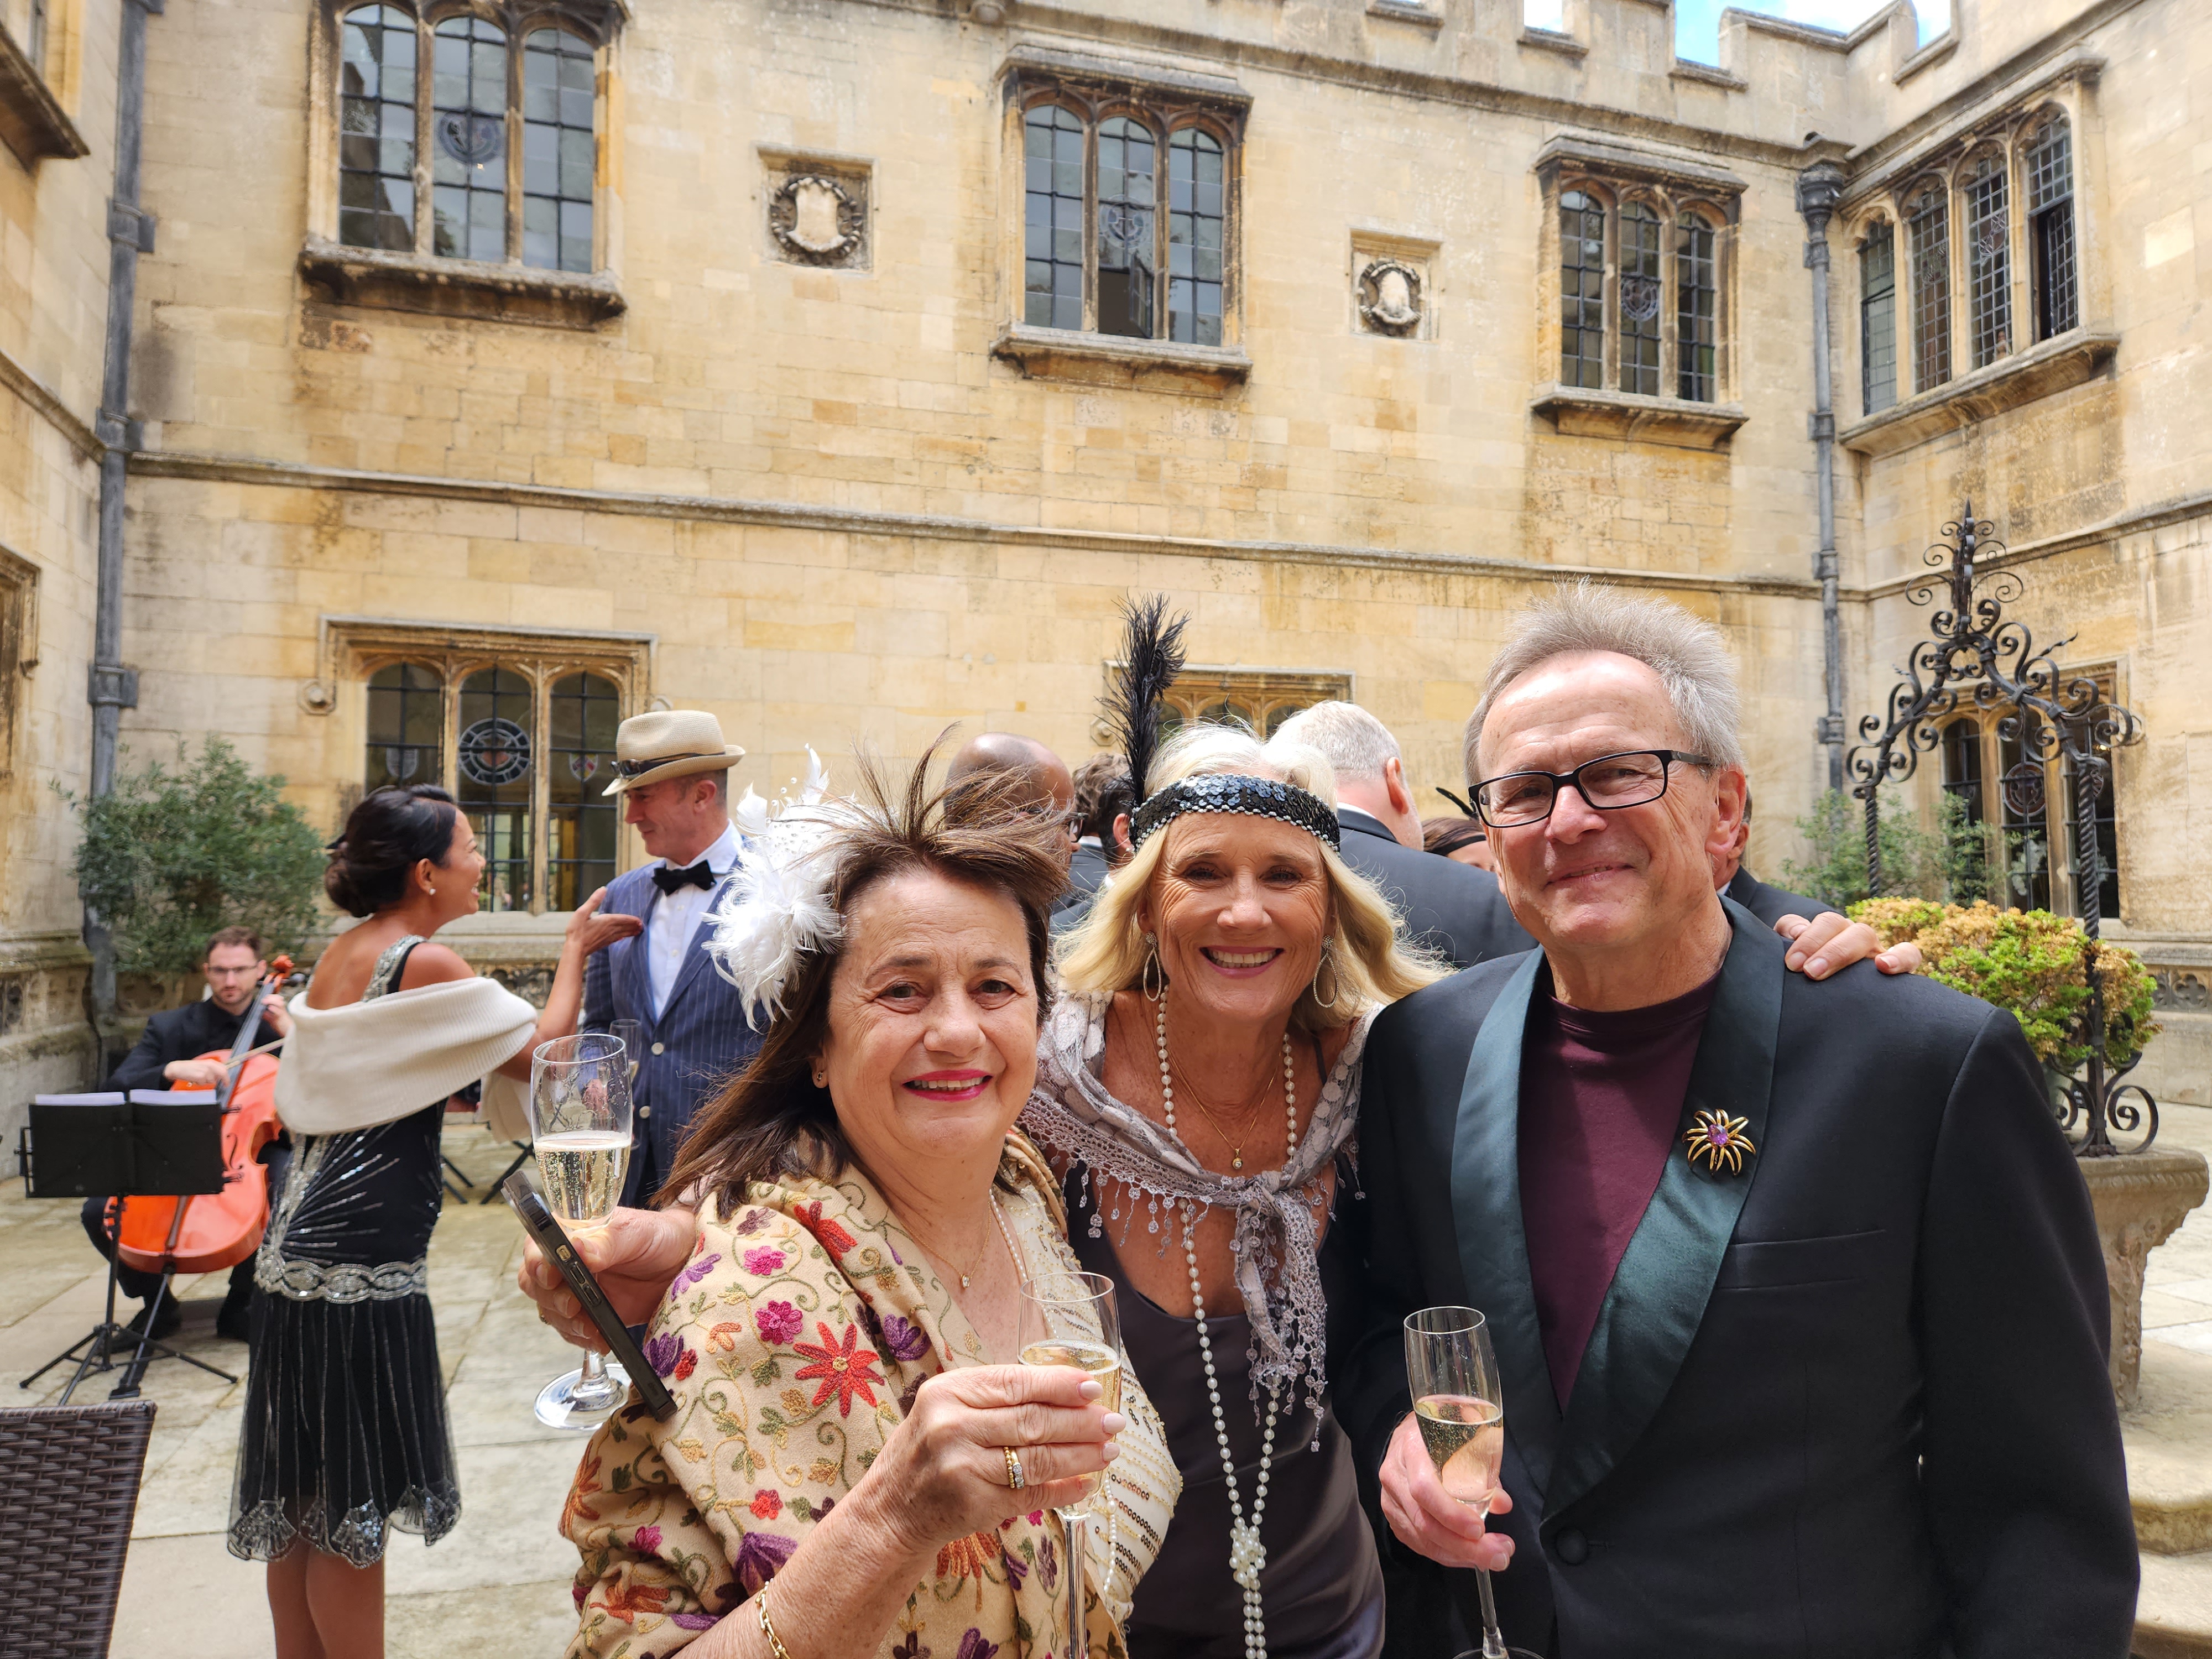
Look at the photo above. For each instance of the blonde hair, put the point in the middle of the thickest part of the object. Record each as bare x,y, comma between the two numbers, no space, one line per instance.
1107,952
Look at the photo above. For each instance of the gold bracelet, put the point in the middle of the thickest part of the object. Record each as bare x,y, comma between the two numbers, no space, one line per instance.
775,1642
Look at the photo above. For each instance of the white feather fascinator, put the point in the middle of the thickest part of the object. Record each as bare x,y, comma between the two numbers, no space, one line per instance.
777,908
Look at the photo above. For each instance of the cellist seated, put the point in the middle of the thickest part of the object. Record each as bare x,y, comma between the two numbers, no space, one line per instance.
168,1056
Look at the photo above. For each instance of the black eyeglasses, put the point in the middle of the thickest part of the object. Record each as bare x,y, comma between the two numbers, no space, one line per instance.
1634,777
1068,821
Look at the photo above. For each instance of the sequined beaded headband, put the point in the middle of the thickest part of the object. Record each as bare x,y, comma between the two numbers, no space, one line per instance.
1232,792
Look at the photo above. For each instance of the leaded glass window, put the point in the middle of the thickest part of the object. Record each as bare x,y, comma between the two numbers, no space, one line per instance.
2049,167
468,140
1582,290
1988,261
376,129
495,763
1696,310
1197,222
1129,229
1052,144
581,822
406,725
560,155
1641,291
1928,221
1877,316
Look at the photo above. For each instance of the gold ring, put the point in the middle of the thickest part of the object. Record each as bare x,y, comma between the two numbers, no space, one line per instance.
1014,1480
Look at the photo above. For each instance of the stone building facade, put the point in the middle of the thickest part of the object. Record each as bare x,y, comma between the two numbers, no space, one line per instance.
839,365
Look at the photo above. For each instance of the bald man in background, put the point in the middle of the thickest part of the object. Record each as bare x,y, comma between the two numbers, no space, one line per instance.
1046,788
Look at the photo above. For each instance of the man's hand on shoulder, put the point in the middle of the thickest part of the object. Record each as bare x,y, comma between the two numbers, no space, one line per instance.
1832,941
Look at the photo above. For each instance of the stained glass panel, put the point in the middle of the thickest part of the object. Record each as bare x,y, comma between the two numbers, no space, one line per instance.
1640,295
560,153
1582,290
1197,223
468,140
376,129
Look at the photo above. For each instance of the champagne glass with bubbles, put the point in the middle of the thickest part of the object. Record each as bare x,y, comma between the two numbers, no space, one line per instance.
1070,1319
1459,1405
580,1111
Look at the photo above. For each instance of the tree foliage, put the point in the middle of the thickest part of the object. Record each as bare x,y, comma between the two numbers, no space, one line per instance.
1948,863
173,855
2032,964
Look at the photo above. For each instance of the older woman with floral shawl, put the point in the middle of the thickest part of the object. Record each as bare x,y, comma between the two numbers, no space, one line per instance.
855,1464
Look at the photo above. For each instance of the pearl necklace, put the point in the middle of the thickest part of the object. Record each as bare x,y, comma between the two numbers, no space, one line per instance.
1247,1556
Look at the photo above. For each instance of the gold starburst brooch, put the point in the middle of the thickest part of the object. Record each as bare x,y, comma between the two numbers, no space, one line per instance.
1720,1141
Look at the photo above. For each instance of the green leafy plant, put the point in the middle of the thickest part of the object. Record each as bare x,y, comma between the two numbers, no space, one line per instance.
173,855
1947,862
2030,963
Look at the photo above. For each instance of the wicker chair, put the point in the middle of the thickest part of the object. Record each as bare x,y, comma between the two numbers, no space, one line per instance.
72,1473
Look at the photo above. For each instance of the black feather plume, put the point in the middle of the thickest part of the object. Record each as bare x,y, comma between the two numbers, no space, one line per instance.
1151,657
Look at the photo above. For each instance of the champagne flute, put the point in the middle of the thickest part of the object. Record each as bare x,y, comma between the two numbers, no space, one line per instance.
580,1108
1070,1319
1458,1403
630,1033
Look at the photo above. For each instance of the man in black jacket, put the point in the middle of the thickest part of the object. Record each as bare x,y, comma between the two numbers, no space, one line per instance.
167,1056
1797,1299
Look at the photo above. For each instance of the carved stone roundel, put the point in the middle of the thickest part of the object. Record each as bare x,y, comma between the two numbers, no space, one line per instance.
815,218
1390,298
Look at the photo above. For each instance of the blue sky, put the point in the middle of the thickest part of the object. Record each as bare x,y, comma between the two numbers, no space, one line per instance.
1697,23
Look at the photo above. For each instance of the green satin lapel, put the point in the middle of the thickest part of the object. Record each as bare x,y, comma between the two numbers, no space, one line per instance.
1657,1299
1493,1250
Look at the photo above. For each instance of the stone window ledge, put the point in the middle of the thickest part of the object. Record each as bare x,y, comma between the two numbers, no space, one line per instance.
1055,354
1585,412
1553,41
33,123
2073,357
1402,11
459,287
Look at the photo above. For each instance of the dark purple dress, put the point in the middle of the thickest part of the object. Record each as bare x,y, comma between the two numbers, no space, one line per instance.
1321,1587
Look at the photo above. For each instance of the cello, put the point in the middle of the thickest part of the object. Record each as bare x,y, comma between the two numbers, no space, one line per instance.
202,1232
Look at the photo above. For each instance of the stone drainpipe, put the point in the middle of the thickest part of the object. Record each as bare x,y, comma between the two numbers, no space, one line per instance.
1819,187
114,688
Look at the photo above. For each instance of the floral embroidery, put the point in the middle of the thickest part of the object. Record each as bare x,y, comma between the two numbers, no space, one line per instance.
693,1274
844,1371
968,1558
678,1522
778,1322
903,1340
831,1236
761,1557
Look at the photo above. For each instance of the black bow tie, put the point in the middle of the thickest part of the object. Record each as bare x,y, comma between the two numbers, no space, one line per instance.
698,875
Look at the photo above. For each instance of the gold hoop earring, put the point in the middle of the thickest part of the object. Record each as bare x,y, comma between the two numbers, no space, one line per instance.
1327,963
1154,982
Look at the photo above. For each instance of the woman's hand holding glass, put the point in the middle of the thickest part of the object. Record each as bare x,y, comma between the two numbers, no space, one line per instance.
634,1257
943,1471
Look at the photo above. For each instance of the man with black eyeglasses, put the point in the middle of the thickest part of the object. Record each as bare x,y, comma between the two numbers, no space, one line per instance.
1798,1305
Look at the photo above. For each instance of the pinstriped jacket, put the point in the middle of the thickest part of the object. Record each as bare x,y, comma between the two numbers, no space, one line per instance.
700,1037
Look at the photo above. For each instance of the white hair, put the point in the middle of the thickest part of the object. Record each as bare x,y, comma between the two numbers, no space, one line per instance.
1688,654
1358,746
1216,749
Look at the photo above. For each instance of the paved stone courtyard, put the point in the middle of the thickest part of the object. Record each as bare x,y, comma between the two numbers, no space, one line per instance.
495,1588
498,1587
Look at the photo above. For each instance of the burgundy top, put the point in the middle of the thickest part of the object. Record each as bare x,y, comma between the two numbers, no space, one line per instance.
1600,1101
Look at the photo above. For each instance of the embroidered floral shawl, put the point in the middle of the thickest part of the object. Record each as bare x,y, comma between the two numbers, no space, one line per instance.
794,1341
1071,1116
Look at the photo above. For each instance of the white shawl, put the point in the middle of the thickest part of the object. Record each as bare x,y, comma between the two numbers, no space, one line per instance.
366,1063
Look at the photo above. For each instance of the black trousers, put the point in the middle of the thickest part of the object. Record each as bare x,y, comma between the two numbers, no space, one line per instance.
134,1281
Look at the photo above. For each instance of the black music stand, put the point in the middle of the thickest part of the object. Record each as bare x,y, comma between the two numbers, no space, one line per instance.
151,1143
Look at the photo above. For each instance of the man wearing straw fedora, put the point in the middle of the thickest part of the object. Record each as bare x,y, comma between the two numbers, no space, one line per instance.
672,772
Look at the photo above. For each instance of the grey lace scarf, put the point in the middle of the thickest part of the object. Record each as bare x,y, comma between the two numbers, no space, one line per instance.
1072,1114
